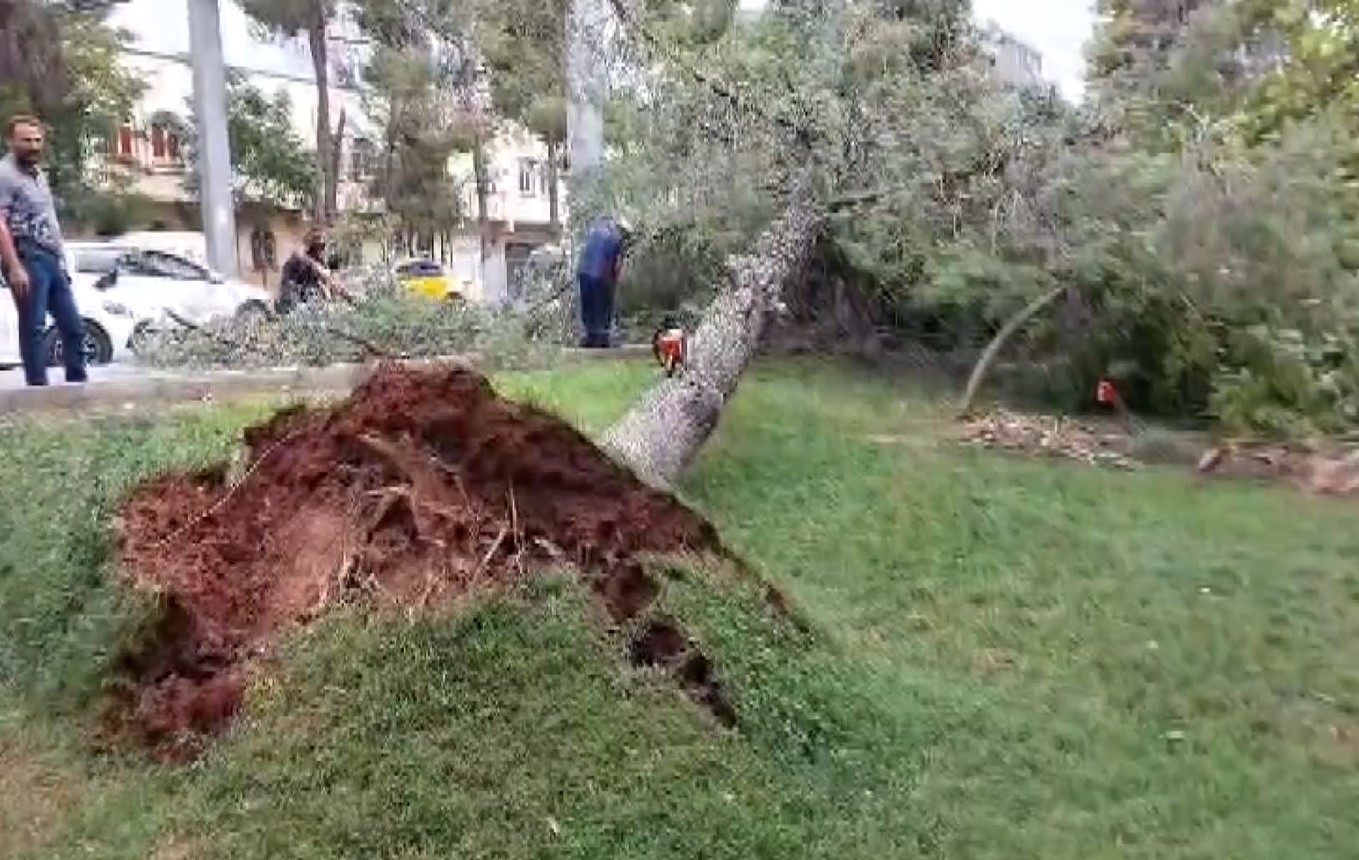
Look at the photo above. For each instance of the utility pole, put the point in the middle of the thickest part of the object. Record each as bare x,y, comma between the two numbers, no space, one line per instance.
587,35
214,144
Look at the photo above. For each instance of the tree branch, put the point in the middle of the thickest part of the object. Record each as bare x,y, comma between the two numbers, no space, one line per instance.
858,198
801,132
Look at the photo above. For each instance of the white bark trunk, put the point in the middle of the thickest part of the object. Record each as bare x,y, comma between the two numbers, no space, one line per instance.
664,432
988,357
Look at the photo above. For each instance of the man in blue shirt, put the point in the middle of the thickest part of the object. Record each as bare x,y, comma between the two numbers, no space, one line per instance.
601,262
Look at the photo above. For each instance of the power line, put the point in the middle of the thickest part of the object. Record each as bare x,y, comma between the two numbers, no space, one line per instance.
185,60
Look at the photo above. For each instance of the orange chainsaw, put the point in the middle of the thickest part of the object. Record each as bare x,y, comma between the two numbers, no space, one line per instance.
669,346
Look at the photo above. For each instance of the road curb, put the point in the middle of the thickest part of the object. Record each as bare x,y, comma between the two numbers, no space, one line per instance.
164,389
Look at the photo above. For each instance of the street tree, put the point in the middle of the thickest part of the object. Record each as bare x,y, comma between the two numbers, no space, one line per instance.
422,127
524,48
311,21
271,164
64,65
810,119
420,90
425,87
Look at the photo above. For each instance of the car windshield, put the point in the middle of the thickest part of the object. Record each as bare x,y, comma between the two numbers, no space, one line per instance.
419,269
97,261
158,264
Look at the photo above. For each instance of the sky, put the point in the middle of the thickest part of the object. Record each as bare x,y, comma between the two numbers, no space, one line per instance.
1057,28
162,26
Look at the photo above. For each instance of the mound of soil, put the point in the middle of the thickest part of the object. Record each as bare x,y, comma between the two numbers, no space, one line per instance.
420,488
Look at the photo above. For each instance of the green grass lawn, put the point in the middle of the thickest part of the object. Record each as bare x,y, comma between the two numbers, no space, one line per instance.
1003,659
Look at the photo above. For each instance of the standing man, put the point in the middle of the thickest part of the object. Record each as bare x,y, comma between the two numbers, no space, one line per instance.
36,264
601,263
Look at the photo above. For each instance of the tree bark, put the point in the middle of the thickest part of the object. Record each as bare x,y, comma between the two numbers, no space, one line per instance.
336,162
483,193
554,210
664,432
320,60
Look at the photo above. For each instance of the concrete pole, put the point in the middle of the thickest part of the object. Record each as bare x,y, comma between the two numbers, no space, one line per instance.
214,144
587,34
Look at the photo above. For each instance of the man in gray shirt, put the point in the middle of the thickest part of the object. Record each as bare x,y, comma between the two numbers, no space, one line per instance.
38,281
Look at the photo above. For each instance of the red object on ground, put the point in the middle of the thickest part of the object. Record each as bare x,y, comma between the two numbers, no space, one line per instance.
1106,394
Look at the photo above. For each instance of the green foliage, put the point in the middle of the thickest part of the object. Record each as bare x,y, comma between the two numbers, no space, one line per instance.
419,89
387,318
1235,158
422,127
1178,209
270,162
64,66
996,658
112,214
310,20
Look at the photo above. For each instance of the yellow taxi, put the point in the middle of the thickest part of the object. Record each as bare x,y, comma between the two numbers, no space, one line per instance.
427,278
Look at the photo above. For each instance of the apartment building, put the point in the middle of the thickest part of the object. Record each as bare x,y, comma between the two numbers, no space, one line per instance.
1016,62
518,212
148,154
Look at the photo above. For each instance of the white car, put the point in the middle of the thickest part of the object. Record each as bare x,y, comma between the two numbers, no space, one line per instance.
109,326
160,285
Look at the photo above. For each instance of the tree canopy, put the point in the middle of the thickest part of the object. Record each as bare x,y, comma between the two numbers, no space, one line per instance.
270,162
64,66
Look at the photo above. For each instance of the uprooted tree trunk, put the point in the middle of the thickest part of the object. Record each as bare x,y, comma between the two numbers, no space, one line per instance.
664,432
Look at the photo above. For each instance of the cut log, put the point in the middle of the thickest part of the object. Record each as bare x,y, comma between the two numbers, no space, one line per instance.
661,435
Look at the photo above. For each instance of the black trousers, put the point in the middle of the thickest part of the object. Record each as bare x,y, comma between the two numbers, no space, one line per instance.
596,311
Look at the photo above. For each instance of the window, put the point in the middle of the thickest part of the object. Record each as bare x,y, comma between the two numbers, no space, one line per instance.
419,269
123,145
360,159
527,174
157,264
165,147
98,261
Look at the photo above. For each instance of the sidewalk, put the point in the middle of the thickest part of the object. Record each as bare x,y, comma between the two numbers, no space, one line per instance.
130,388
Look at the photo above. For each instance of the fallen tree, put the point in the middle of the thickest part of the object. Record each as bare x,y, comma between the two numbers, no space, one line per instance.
788,117
662,434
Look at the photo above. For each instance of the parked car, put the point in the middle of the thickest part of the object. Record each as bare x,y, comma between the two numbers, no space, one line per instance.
109,326
428,278
159,285
185,243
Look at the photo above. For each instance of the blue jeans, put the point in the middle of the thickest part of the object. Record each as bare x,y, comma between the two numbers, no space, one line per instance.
49,292
596,310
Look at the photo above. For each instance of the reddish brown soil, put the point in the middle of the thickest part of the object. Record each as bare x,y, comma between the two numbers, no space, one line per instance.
420,488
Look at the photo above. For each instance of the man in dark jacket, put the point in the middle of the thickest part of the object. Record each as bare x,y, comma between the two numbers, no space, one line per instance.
305,278
601,263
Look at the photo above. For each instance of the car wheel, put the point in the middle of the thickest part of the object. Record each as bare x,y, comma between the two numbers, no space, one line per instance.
98,346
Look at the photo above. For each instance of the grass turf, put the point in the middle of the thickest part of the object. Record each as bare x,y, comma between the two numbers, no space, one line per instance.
1004,659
